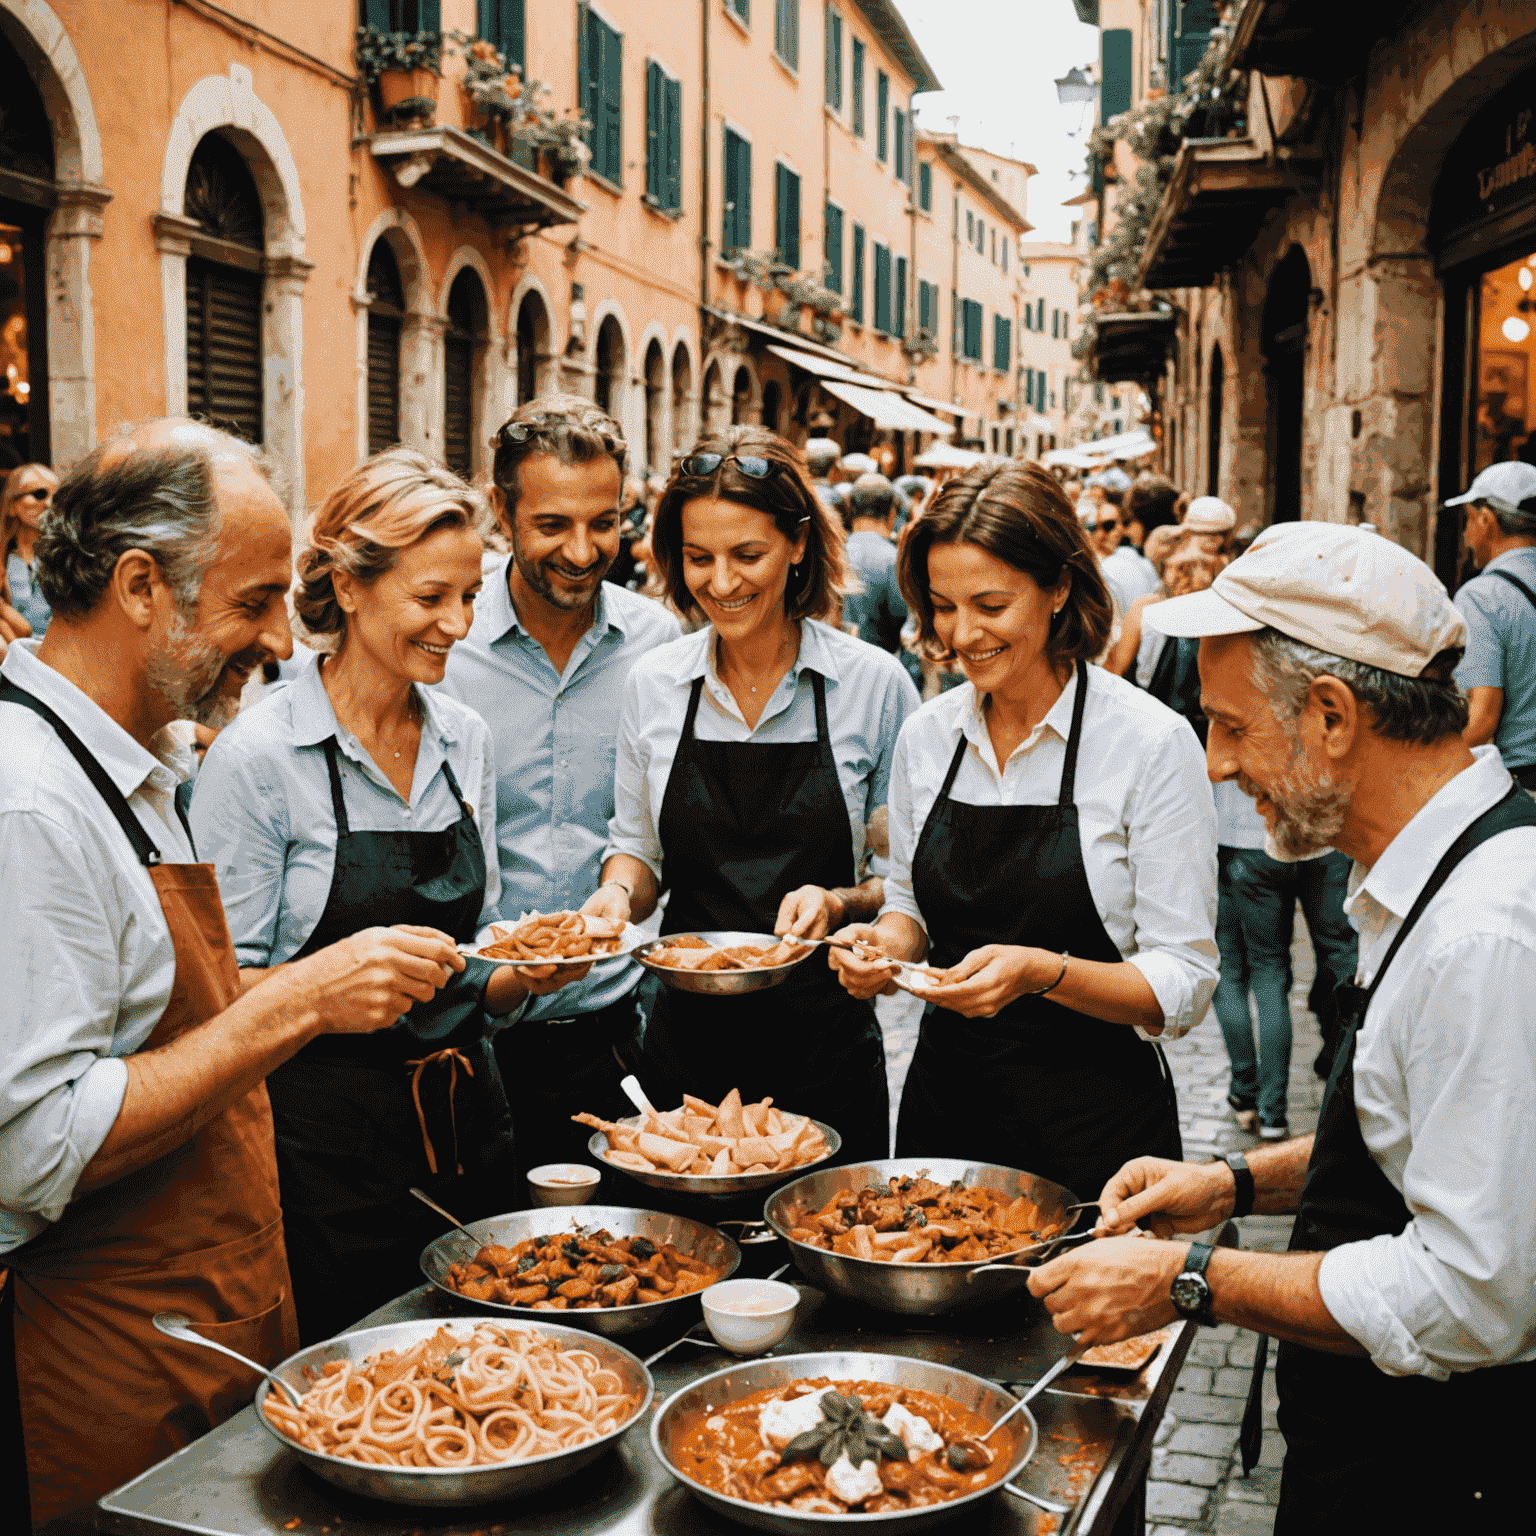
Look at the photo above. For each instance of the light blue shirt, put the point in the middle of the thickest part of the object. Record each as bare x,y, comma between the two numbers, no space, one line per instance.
868,697
879,611
25,598
262,812
553,737
1501,649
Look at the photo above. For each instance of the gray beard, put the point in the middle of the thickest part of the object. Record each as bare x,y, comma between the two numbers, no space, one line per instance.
184,674
1308,815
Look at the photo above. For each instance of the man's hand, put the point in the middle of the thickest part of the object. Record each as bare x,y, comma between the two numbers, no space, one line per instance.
1167,1197
990,978
862,979
1112,1289
610,901
807,913
12,627
366,982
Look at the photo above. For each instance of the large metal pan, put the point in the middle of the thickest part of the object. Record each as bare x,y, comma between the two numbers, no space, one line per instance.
743,1379
914,1290
703,1183
719,983
691,1237
440,1486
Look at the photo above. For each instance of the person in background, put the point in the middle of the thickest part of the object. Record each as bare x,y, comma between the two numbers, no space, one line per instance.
632,517
916,489
1242,538
1499,608
1148,504
545,666
876,613
856,464
1135,651
822,457
1214,521
25,497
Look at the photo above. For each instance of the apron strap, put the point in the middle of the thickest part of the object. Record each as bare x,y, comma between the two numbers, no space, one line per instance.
954,768
338,801
1069,766
458,794
454,1059
693,708
819,689
144,850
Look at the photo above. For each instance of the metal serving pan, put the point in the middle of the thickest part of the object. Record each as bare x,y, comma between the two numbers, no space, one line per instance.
445,1486
719,983
694,1238
914,1290
751,1376
702,1183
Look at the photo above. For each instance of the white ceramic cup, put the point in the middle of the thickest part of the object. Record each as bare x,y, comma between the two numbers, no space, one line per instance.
749,1332
562,1184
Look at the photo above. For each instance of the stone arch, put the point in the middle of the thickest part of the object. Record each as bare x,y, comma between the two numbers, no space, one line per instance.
230,105
34,30
608,336
531,316
491,406
685,400
400,232
656,398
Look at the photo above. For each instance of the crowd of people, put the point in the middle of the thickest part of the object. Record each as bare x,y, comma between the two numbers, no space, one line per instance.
1080,751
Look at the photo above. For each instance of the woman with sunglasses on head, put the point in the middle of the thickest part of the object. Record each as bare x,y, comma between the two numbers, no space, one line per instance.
27,495
751,756
1053,853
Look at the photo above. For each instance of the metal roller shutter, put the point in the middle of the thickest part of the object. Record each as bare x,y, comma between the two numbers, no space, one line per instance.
224,346
458,382
383,382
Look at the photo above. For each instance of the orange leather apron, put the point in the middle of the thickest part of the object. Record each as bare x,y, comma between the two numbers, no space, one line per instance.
104,1395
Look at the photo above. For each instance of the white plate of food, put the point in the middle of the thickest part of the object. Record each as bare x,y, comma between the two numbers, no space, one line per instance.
540,940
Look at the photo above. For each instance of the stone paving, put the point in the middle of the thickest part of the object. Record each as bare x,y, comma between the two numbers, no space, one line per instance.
1196,1483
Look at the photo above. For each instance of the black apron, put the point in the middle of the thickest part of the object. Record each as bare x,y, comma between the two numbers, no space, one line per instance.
1364,1450
350,1137
1039,1086
742,824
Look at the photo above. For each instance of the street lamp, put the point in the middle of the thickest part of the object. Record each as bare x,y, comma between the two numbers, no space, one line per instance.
1075,86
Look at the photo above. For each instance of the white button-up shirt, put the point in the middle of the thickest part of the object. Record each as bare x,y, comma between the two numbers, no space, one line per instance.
1445,1091
84,947
1145,816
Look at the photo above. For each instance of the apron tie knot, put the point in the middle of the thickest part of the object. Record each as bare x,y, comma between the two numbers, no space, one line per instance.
455,1059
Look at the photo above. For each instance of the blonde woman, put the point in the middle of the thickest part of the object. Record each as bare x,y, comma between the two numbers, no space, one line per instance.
27,495
356,797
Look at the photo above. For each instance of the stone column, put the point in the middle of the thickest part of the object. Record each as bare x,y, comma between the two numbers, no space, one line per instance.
71,383
282,362
421,383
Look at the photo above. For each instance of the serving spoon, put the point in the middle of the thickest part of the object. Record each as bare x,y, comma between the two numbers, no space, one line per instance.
177,1325
1072,1356
447,1216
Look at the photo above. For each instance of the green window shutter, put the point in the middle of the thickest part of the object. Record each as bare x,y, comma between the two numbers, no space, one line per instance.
833,67
1040,315
856,65
655,134
744,194
1029,386
925,187
743,8
1192,36
376,15
613,105
672,196
429,15
1003,344
882,114
786,31
832,247
786,216
901,296
901,145
856,308
882,288
504,23
1115,73
729,192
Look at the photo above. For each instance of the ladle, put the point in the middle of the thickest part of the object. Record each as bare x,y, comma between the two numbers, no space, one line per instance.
177,1325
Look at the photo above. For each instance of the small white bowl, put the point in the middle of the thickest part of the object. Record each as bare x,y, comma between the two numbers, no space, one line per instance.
562,1184
749,1333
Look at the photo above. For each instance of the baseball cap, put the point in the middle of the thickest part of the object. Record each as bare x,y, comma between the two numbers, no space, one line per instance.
1332,586
1503,486
1209,514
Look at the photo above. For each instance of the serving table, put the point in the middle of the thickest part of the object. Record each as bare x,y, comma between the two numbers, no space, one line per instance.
1096,1433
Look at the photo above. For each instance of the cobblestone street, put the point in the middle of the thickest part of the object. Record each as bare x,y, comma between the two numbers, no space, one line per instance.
1196,1482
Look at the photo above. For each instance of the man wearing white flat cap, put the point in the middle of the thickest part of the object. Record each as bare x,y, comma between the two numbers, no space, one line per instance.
1499,606
1407,1305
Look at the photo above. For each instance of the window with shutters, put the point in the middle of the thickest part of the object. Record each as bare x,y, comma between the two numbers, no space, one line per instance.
1115,87
401,15
786,31
736,231
833,67
741,9
386,315
925,187
832,246
1002,343
970,227
601,51
1005,252
1040,315
928,309
786,215
663,139
882,115
1191,37
505,23
462,344
856,302
900,135
224,290
1029,386
900,298
882,265
1055,325
971,322
856,69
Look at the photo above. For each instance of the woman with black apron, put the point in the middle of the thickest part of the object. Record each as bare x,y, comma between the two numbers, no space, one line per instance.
1052,852
751,755
355,797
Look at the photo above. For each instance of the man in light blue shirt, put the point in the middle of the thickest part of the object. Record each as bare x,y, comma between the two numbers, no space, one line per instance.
545,664
1498,670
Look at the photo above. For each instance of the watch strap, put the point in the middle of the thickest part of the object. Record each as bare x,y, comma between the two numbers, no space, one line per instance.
1199,1258
1242,1204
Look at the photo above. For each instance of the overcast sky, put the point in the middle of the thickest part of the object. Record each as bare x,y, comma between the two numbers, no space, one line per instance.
999,60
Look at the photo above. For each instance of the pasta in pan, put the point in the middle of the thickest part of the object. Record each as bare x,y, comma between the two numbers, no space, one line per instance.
502,1394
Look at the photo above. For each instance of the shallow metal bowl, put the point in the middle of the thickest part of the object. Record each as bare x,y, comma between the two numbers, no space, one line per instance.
914,1290
747,1377
702,1183
719,983
694,1238
440,1486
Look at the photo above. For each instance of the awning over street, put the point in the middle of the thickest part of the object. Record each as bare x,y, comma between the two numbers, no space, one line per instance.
1124,445
825,368
1220,194
947,456
886,408
928,403
463,171
1071,458
1132,346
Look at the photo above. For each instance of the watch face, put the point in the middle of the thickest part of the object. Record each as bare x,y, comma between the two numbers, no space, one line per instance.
1190,1293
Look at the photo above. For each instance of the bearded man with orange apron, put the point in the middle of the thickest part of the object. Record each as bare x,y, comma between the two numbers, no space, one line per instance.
136,1160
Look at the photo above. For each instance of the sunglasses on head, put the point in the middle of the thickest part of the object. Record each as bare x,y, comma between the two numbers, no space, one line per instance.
35,493
521,432
750,464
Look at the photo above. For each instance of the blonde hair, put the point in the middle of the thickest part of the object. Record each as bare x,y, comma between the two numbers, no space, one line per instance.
381,508
10,492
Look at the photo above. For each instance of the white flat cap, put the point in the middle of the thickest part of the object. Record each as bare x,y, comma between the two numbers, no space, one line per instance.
1209,514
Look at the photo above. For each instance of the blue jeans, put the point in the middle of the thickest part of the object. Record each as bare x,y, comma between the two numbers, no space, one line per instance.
1256,906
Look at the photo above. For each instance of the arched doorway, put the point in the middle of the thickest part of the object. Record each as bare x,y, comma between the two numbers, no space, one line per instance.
683,431
386,317
741,398
655,408
709,401
532,346
608,358
1218,382
773,403
224,291
463,354
1284,338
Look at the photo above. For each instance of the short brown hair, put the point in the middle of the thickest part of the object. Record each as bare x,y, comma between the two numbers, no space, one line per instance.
786,496
570,427
1019,513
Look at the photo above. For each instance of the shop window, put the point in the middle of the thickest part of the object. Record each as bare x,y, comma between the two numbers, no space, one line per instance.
1503,422
386,314
601,51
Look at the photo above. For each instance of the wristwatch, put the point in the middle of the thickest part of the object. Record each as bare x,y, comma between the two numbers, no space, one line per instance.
1243,1198
1191,1291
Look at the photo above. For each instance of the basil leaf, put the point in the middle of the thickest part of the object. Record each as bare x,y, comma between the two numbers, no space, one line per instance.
806,1444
